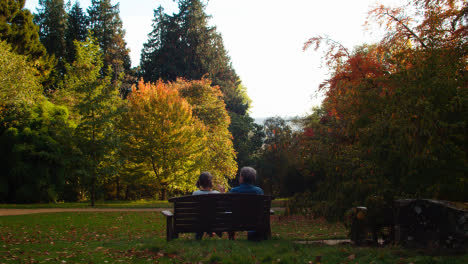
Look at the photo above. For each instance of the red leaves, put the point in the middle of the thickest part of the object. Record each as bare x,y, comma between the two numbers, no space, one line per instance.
309,132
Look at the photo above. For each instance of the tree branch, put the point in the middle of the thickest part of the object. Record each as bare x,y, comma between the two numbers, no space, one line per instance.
408,29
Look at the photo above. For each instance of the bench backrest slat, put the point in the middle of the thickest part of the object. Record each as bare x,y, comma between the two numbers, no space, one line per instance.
221,212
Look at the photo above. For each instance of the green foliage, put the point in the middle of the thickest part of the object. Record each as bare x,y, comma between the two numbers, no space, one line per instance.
77,29
184,46
19,84
209,108
162,136
31,133
393,122
106,26
279,162
247,139
52,21
18,30
94,102
32,155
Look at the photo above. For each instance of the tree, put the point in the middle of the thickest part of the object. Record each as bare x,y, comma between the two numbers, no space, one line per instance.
183,45
161,57
106,27
275,161
164,136
248,139
19,83
52,20
94,101
77,29
18,30
209,108
396,110
31,135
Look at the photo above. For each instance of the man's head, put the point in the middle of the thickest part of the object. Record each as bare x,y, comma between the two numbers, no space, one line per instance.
247,175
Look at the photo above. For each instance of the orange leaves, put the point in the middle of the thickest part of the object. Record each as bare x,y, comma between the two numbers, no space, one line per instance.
334,52
316,41
148,93
423,23
181,125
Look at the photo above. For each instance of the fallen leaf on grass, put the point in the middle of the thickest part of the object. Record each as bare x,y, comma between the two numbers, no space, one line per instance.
351,257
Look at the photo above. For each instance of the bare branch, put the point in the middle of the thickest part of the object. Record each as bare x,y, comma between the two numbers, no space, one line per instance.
407,29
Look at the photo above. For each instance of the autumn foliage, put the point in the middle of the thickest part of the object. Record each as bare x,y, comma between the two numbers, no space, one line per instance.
175,131
393,121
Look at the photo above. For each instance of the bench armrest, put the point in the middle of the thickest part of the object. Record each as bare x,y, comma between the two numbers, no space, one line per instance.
167,213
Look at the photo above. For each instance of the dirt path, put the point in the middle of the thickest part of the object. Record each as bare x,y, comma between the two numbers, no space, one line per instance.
56,210
330,242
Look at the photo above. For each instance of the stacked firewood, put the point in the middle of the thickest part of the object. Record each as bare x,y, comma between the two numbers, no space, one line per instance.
412,223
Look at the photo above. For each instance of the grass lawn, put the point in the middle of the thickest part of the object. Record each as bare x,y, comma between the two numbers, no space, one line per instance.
139,237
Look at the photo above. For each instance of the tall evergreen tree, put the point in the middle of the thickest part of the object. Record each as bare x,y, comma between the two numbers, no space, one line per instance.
106,26
77,29
52,21
184,45
161,57
94,99
17,28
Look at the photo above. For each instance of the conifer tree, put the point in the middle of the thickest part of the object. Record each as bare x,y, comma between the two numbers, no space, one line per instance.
18,30
161,57
94,100
184,45
52,21
106,26
77,29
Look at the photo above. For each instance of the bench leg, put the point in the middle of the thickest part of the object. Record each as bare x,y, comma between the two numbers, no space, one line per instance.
169,229
268,234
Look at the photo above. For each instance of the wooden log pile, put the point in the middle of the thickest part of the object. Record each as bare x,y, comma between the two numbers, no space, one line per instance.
412,223
430,223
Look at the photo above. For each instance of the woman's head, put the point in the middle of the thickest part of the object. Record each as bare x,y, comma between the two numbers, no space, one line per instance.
205,180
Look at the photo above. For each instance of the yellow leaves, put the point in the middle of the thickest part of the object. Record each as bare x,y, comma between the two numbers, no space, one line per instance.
184,126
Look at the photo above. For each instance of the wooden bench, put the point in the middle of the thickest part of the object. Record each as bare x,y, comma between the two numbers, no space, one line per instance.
228,212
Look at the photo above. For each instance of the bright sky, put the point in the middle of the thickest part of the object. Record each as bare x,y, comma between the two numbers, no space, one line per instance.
264,39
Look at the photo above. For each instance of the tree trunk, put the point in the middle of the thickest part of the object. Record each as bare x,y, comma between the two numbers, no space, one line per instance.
117,196
93,191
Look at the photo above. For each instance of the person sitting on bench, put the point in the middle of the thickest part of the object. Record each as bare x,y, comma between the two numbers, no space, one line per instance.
247,177
205,185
